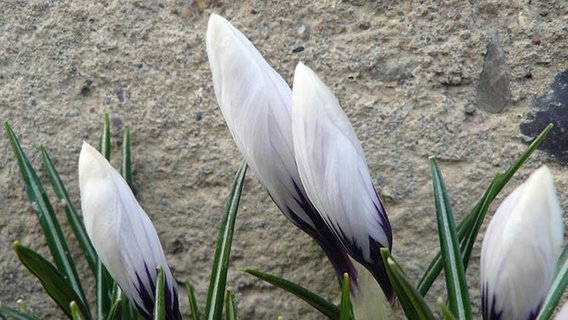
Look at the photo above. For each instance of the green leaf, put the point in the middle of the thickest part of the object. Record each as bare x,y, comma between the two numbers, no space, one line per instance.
411,300
160,303
105,138
345,308
456,284
218,278
104,285
51,279
72,215
126,161
75,312
327,308
192,301
47,218
230,306
115,312
470,226
445,311
17,314
557,288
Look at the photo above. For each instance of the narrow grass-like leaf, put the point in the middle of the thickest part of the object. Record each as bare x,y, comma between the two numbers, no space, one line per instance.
160,303
51,279
557,288
218,280
72,215
75,312
104,285
193,306
411,301
105,138
469,227
458,296
47,217
126,161
345,308
115,312
16,314
327,308
445,311
230,306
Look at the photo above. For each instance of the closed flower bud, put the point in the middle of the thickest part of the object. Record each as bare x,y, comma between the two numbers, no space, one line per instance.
334,173
123,236
256,104
520,250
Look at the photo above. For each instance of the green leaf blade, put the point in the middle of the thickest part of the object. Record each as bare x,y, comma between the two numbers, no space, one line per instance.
345,308
327,308
51,279
456,284
193,306
230,306
411,300
46,216
218,280
160,303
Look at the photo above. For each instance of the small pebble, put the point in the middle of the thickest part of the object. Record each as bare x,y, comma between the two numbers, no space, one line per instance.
298,49
536,41
470,109
303,31
364,25
544,12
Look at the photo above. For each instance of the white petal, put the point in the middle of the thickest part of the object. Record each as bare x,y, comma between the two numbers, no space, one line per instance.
120,230
333,169
521,247
256,103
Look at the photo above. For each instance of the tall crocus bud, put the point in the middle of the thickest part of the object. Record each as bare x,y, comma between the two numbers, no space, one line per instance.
122,234
256,103
520,250
334,172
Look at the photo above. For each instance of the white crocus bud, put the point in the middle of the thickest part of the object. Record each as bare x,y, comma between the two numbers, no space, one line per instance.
256,104
335,175
122,234
520,250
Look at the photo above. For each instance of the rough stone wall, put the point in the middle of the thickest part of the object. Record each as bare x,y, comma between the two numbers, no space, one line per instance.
405,73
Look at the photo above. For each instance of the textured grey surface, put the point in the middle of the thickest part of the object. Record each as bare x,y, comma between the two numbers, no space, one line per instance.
405,74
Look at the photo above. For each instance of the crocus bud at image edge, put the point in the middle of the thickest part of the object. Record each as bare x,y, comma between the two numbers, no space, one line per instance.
520,250
122,234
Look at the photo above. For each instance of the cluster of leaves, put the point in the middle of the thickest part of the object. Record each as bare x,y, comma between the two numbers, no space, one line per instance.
62,283
61,280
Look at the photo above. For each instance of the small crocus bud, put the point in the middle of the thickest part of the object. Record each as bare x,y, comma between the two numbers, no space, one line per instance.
520,250
122,234
256,104
334,173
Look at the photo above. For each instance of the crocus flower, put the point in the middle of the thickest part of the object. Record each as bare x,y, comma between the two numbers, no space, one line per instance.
256,104
520,250
122,234
335,175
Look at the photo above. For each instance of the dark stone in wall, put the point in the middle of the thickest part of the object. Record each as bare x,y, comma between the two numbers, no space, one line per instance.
551,108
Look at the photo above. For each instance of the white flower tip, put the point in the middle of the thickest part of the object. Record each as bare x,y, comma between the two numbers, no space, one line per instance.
220,34
91,164
215,28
